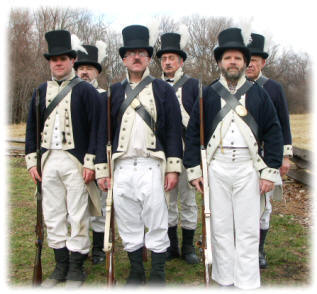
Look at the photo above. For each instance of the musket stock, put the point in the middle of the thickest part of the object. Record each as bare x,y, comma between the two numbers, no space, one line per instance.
109,237
39,228
206,238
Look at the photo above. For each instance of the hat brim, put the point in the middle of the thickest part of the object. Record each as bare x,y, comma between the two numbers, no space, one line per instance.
70,53
83,62
123,50
259,53
218,52
167,50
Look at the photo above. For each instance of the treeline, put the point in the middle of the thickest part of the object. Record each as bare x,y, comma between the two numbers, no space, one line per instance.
28,68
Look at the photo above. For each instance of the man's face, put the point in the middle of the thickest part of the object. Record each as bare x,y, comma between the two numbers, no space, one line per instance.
87,72
255,66
170,63
136,60
61,66
232,65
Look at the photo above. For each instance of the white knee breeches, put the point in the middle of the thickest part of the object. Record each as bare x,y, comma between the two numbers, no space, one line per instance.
187,197
139,202
65,201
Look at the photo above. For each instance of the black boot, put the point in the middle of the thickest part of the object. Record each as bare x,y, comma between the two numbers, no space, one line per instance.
98,255
61,268
137,273
188,249
262,255
172,251
76,274
157,275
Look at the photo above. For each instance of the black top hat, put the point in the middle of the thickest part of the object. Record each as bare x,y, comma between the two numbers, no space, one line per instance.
231,39
88,59
59,43
135,37
256,46
171,44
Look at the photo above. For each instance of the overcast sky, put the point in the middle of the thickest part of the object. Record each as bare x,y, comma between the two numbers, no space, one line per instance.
290,23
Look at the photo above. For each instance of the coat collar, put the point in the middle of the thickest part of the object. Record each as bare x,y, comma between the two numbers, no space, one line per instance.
178,74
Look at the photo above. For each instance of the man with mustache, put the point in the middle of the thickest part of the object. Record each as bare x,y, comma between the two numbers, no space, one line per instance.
68,145
147,156
238,118
186,88
276,93
88,67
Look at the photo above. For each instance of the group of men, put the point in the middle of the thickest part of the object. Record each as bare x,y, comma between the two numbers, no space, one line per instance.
155,131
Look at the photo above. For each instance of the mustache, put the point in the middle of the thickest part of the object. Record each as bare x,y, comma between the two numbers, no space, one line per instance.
137,61
233,67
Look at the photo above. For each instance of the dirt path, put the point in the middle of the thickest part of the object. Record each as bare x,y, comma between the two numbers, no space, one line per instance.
297,202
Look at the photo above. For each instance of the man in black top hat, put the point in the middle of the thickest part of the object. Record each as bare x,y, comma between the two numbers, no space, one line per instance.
88,67
238,118
147,153
276,93
186,88
68,118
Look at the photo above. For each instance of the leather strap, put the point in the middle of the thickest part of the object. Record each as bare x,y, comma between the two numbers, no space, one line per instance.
140,109
262,80
232,103
131,94
180,82
59,97
176,86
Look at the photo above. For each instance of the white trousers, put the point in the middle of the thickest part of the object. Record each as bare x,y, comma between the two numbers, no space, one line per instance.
65,202
266,215
139,202
235,213
187,197
97,223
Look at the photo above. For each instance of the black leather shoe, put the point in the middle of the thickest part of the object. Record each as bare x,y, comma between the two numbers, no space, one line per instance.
188,249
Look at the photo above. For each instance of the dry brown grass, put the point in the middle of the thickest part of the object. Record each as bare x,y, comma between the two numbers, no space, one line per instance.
301,126
16,130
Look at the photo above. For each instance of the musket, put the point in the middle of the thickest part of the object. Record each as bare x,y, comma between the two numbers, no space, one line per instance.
39,228
109,237
205,244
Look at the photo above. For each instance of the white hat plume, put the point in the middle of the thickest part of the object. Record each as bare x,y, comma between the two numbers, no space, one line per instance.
77,44
183,31
102,50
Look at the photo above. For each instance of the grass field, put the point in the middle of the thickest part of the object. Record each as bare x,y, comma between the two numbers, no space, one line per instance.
288,246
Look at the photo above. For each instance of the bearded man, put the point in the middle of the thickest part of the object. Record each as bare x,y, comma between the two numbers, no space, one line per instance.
238,118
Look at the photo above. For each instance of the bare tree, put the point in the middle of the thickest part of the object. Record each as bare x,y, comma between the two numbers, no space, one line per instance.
29,68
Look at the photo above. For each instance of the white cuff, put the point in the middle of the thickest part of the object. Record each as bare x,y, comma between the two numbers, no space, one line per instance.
102,170
30,160
194,173
288,150
173,164
89,160
270,174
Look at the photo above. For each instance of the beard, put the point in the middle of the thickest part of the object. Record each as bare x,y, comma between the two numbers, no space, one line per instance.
233,76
